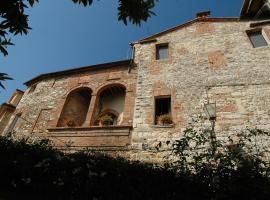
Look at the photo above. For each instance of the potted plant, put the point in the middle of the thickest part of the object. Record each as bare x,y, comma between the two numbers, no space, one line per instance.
106,120
71,123
165,119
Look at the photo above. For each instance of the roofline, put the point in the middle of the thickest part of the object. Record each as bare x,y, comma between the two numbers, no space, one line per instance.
244,8
207,19
8,105
79,69
18,90
5,106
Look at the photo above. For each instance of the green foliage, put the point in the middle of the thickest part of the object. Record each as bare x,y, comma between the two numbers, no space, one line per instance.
4,44
229,166
84,2
106,120
3,77
135,11
33,169
14,21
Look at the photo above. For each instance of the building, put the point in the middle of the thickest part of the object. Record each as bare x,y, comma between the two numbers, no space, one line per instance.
8,109
172,74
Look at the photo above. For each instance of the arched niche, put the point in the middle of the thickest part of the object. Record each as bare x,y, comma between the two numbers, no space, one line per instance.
111,101
75,108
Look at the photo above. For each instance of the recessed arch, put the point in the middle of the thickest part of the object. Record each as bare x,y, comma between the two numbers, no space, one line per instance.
110,101
75,108
110,85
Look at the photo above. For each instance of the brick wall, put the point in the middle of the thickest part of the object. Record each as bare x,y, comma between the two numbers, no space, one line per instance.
41,109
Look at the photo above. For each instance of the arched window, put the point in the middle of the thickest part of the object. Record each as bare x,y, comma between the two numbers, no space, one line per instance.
111,102
75,108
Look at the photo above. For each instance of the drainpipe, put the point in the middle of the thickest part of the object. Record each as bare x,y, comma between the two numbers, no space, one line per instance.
132,56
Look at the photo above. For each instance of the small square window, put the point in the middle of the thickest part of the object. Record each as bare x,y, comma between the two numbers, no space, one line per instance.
162,51
162,107
257,39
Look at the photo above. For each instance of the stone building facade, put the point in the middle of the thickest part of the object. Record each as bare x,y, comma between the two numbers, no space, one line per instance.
172,74
7,110
65,106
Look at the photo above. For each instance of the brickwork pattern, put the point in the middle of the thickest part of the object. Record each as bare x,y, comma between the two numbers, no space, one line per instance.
207,60
42,108
213,57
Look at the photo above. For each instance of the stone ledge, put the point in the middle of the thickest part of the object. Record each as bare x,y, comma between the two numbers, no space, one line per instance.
266,22
163,126
94,148
90,131
99,138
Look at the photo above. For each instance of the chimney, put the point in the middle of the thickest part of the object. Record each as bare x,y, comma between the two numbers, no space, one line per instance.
203,14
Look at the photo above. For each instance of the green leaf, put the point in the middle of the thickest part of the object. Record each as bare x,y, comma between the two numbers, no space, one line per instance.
3,50
32,2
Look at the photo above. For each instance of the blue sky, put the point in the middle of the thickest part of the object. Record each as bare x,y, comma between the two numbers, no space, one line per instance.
65,35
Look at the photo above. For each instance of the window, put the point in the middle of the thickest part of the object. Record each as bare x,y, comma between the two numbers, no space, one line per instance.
162,107
162,51
257,39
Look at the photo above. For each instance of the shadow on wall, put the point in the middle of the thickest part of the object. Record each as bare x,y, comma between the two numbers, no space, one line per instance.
75,108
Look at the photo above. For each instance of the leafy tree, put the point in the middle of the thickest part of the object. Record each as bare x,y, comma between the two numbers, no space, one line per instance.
32,169
14,21
3,77
233,166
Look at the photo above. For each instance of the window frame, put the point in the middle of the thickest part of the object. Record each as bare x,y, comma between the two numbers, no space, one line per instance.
161,45
154,110
259,30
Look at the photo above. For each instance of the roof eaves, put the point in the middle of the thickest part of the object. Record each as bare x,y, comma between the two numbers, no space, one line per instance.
8,105
250,8
79,69
244,8
20,91
216,19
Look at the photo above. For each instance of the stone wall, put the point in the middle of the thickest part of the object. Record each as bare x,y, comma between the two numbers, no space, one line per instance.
7,110
4,119
41,109
210,56
209,59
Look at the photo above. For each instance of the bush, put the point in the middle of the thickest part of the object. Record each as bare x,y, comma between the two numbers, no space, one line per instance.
233,168
33,169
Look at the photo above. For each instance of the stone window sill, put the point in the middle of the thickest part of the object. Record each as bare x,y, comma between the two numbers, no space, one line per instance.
262,48
93,130
163,126
164,60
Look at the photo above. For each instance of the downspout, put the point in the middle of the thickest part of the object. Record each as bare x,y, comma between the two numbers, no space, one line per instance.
132,56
